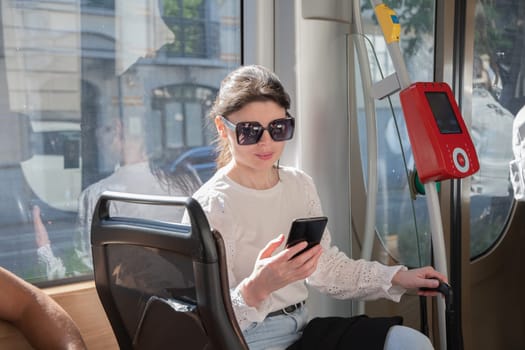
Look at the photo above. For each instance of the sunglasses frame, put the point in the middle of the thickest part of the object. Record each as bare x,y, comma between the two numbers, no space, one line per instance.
233,127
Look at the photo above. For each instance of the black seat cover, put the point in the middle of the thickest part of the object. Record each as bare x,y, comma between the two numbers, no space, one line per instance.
163,285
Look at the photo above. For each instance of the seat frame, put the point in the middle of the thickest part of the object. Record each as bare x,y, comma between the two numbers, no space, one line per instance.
197,241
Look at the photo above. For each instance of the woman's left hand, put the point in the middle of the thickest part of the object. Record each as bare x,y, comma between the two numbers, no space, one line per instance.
424,277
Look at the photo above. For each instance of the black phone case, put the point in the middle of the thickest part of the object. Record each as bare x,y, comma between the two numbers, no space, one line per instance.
307,229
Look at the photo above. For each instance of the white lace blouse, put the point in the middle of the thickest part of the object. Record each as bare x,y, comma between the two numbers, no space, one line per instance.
248,218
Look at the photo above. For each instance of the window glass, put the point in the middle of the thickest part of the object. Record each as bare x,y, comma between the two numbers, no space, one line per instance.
102,95
498,94
402,221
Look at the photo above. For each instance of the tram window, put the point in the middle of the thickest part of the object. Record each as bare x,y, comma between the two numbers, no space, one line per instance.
497,96
102,95
402,224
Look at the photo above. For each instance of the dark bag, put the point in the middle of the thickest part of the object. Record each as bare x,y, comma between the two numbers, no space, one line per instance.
343,333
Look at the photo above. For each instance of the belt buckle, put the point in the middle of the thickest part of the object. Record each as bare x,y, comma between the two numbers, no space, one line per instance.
292,308
289,312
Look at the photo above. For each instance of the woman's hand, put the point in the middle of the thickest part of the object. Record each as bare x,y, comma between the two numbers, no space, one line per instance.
271,273
424,277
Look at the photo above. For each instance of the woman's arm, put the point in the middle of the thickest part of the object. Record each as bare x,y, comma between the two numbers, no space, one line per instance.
345,278
42,321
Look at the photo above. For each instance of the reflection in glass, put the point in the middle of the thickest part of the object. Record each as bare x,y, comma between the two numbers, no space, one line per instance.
402,222
137,273
100,95
497,95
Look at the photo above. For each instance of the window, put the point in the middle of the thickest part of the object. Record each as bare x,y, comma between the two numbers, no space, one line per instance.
102,95
191,22
402,222
108,4
497,96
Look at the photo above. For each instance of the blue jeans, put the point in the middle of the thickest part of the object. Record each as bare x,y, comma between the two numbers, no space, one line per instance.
279,332
405,338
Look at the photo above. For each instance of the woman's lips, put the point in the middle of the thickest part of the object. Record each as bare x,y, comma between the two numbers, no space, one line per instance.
264,156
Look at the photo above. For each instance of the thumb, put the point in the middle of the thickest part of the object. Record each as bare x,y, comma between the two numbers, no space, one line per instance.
271,246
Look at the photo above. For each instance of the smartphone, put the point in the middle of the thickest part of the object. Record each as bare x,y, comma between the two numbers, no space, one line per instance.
306,229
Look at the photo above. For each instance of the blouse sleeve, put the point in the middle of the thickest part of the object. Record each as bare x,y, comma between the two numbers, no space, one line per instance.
221,220
344,278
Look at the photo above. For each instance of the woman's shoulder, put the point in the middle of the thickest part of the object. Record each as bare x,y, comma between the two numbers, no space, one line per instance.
211,189
293,173
297,180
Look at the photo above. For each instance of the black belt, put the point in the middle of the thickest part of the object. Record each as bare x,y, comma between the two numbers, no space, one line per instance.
287,310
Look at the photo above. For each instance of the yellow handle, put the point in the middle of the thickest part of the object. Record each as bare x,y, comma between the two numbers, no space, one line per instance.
389,23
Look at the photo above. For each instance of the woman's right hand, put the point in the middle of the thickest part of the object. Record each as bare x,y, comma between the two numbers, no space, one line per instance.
271,272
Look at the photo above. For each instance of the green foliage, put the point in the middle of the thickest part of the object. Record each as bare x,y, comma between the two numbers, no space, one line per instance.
74,267
493,25
35,274
183,8
186,20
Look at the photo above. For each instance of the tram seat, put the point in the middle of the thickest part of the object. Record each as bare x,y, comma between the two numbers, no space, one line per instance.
161,284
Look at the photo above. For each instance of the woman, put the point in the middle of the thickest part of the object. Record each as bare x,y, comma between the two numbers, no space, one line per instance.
252,202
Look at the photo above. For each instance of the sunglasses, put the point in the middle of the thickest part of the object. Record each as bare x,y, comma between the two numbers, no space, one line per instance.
249,133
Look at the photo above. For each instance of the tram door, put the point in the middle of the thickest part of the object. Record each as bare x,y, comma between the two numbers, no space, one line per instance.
494,93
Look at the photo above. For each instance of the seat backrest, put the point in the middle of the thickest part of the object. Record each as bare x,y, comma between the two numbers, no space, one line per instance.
163,284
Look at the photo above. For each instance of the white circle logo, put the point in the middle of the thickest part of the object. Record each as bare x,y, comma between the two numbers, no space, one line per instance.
460,158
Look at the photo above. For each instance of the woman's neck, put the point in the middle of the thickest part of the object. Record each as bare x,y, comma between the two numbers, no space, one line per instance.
258,180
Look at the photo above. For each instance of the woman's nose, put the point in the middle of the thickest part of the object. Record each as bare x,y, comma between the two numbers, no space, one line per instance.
265,137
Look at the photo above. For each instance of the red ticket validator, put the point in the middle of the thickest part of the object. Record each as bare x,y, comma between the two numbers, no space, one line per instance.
440,141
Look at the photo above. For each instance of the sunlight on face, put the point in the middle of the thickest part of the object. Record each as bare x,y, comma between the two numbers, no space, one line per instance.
264,154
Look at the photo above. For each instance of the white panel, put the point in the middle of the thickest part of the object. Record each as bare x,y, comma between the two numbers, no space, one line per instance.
310,58
259,33
331,10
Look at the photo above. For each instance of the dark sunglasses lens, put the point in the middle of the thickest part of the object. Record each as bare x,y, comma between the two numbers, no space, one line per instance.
282,129
248,133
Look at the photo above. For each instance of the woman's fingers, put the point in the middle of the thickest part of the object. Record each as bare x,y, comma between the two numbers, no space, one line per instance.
270,247
305,263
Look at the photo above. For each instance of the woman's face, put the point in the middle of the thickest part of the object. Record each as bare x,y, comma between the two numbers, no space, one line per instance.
265,153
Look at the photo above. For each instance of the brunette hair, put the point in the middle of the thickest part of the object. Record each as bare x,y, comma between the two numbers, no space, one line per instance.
244,85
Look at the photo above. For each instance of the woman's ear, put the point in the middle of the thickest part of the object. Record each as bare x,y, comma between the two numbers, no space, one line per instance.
221,128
